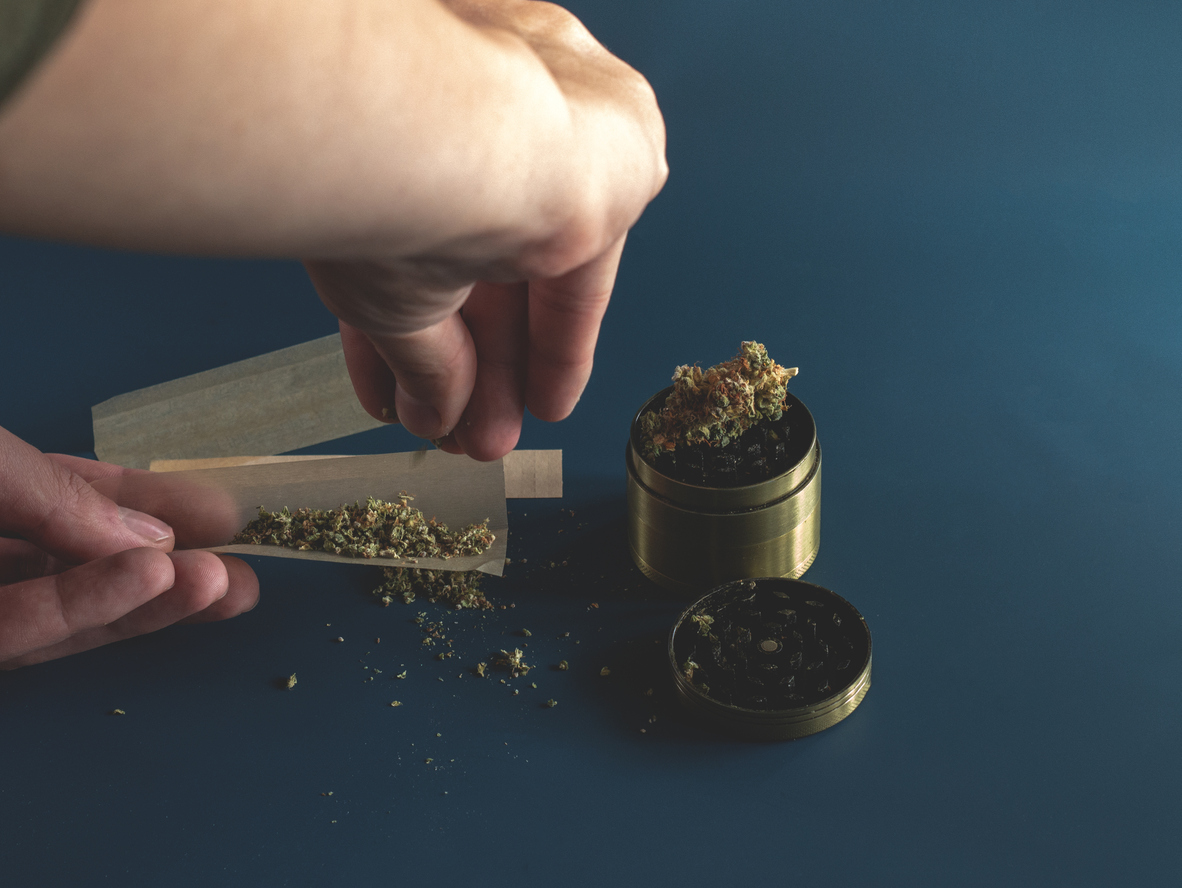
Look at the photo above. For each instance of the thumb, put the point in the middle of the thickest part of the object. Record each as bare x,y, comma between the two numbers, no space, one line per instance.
435,370
45,503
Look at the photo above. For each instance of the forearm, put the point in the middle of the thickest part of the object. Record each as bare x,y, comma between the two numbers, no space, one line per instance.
357,128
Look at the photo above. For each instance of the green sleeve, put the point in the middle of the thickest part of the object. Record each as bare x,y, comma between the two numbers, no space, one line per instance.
28,29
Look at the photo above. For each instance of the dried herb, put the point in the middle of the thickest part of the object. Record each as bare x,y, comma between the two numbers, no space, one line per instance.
455,589
715,406
291,681
375,529
514,662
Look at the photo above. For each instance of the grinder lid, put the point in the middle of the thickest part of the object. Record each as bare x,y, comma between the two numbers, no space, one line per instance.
771,658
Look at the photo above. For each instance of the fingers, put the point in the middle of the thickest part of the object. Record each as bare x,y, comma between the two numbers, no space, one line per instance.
20,561
132,593
46,612
497,317
46,503
92,469
199,515
410,314
564,318
373,381
435,369
241,596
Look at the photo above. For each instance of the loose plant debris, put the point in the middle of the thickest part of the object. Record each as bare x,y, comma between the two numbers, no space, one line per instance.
724,425
375,529
513,662
291,681
455,589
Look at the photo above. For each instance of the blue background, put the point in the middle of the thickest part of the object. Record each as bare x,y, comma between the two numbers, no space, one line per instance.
962,222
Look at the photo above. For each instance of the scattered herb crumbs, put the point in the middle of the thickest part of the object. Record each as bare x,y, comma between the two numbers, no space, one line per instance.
456,589
514,662
526,633
395,702
563,665
291,681
401,674
118,712
605,671
479,670
339,639
551,703
378,528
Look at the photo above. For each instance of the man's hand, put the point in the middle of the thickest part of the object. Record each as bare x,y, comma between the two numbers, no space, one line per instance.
79,570
458,176
456,346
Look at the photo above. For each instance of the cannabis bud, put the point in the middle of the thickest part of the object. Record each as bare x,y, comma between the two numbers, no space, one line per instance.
716,405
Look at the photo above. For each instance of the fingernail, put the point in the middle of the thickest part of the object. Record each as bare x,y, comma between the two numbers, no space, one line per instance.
421,419
146,526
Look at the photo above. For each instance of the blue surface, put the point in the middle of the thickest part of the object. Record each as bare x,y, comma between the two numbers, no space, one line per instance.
962,221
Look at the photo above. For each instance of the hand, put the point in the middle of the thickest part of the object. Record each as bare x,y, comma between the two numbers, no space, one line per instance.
79,570
456,346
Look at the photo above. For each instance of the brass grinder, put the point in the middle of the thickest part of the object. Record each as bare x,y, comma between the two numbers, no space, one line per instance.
770,658
691,537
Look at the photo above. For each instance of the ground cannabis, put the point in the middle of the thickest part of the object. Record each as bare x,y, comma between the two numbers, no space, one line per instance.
514,662
715,406
375,529
454,589
291,681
